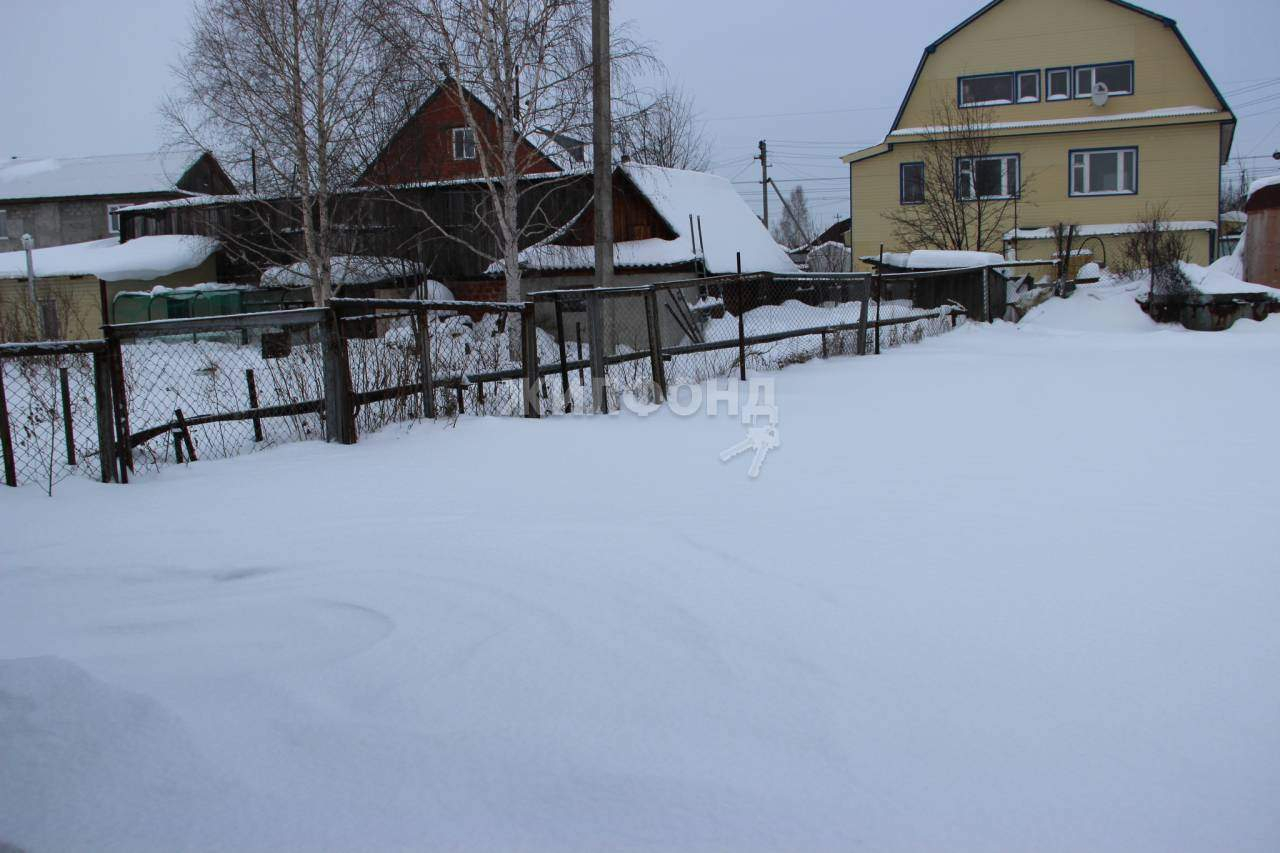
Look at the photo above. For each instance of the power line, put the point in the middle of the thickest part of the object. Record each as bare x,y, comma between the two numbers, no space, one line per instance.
793,181
1263,100
1265,84
807,113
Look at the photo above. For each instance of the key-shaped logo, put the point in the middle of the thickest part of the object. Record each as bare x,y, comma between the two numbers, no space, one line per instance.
760,440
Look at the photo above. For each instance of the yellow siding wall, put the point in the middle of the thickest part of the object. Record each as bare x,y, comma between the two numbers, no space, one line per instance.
1177,164
77,300
1021,35
1178,158
1109,252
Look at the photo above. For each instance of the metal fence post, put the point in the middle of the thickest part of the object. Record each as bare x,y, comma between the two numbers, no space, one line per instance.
105,407
742,322
862,317
6,437
595,340
119,405
564,370
253,402
529,359
339,420
68,429
424,365
879,287
656,368
986,294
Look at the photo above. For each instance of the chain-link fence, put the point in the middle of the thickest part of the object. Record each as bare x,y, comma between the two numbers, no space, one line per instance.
721,326
179,390
410,359
49,428
214,387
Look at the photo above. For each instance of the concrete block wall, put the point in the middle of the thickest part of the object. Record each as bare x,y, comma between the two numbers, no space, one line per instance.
60,221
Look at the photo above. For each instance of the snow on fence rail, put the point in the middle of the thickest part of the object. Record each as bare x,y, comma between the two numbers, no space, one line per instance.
165,391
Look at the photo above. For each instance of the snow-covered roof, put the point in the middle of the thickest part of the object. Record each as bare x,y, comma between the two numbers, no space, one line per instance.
142,259
728,227
1237,216
346,269
201,200
187,289
566,151
1263,183
112,174
937,259
1218,280
193,201
1109,229
1167,112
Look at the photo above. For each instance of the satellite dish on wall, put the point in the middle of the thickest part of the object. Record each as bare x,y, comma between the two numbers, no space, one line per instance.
1100,94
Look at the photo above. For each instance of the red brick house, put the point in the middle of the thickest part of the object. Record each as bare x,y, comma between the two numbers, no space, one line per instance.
437,143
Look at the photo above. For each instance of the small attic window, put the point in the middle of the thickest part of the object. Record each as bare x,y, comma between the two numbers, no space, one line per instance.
1116,76
1057,84
1028,87
464,143
987,90
113,218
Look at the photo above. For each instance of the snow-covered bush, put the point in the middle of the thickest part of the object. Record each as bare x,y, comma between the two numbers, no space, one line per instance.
1154,249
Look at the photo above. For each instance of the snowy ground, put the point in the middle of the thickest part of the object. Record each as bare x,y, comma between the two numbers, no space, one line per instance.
1012,588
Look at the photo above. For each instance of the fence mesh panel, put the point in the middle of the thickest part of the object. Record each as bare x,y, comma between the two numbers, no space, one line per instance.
214,378
700,324
475,357
39,416
221,386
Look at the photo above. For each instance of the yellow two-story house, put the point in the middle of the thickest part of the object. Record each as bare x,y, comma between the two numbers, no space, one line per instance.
1094,110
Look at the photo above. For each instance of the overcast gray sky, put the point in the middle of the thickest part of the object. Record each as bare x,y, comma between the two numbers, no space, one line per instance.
816,78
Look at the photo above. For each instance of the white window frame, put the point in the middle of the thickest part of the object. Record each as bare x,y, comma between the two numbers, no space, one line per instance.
1048,84
1082,159
1013,90
902,183
1087,91
1009,178
464,143
113,221
1017,87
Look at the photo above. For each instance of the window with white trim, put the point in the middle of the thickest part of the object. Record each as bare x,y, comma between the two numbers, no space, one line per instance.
464,143
113,218
1057,84
992,177
1028,87
1111,171
1116,76
986,90
911,183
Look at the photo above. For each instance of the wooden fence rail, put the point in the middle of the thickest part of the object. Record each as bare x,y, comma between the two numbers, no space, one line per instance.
344,318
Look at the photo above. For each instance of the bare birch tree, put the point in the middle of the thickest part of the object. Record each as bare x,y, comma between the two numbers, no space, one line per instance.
663,129
309,86
795,225
965,198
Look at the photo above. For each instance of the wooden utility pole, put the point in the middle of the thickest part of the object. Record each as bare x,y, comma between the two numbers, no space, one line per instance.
602,155
763,157
602,164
